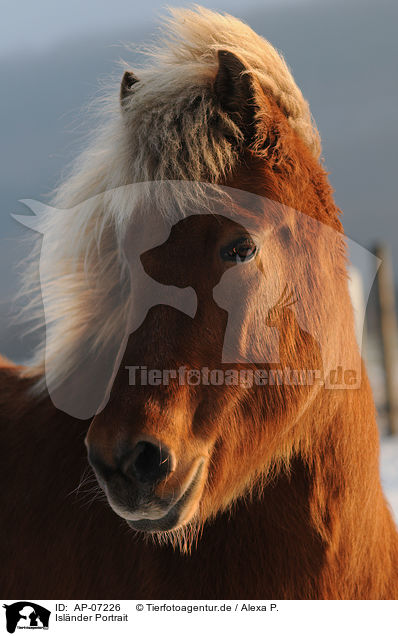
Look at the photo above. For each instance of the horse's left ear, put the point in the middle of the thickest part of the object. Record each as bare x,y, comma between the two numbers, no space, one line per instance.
236,92
128,81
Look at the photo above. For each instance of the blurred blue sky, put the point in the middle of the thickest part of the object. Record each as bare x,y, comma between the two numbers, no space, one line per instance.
37,25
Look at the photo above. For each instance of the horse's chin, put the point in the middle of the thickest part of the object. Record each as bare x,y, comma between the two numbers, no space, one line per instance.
180,513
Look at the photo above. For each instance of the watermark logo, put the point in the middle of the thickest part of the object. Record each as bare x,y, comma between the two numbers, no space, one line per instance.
247,378
26,615
265,275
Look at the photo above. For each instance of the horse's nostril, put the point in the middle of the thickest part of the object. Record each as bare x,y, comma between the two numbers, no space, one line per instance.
149,463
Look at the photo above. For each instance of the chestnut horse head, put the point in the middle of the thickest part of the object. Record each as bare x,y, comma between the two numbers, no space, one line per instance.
182,436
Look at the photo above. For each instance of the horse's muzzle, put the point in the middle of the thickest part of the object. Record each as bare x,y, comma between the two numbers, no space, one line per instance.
136,483
174,516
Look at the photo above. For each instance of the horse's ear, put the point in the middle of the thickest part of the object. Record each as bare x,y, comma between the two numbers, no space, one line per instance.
236,92
128,81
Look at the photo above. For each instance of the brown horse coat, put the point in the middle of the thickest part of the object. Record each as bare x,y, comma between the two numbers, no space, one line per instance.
287,502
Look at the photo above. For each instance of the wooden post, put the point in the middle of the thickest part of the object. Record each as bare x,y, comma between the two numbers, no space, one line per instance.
388,329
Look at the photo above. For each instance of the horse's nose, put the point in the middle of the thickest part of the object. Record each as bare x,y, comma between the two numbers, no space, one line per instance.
147,463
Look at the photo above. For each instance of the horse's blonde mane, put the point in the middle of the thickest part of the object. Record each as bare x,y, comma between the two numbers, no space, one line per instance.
172,128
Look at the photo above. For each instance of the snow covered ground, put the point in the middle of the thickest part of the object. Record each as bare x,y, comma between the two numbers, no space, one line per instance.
389,445
389,470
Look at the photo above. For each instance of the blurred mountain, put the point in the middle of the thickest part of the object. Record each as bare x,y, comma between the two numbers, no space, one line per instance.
343,56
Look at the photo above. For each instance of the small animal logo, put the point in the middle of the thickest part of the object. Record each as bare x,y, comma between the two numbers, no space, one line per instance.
26,615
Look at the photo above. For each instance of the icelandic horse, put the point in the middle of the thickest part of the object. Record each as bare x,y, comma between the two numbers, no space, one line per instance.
262,492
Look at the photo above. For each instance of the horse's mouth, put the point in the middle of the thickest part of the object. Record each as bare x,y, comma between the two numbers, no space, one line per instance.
180,512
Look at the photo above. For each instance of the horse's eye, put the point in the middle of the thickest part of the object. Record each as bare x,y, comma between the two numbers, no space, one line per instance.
243,249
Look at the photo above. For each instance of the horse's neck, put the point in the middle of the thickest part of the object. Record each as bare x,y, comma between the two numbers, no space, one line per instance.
271,539
324,530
